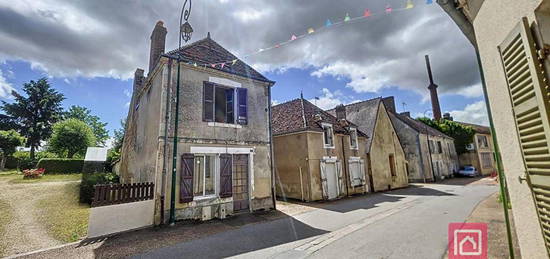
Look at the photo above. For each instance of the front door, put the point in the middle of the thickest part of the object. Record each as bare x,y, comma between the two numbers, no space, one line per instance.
240,183
332,180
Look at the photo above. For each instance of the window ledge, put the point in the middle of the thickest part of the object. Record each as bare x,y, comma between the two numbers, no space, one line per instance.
329,147
224,125
206,197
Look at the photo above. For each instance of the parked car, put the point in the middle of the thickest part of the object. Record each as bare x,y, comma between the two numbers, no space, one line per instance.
469,171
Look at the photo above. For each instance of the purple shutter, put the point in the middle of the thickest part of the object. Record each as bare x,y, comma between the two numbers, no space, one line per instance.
186,180
226,176
242,103
208,102
230,105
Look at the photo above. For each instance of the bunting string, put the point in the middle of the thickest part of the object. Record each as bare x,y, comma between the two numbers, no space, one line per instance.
367,14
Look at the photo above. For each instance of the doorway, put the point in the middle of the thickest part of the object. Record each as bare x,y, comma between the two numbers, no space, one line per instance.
240,183
330,172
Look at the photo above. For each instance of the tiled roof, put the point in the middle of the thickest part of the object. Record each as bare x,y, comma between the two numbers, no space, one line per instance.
477,128
289,117
417,125
363,114
207,51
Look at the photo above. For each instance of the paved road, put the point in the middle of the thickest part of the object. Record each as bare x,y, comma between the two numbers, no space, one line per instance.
406,223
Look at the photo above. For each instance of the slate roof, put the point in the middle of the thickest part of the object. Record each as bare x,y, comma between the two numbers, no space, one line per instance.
477,128
363,114
207,51
289,118
418,125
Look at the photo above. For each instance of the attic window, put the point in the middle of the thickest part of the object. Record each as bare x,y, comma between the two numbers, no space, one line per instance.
353,138
328,135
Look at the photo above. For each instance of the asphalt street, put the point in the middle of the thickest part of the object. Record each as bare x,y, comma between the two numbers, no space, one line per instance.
405,223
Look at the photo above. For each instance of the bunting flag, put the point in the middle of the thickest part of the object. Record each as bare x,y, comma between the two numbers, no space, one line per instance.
367,13
410,4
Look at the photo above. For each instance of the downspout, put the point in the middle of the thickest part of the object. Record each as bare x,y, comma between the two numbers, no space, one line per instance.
468,30
271,146
166,118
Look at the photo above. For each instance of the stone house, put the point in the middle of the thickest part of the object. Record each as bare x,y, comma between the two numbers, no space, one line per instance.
223,160
431,154
386,161
480,153
317,156
512,39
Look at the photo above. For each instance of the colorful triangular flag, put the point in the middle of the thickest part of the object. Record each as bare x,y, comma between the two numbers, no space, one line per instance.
293,37
367,13
233,62
388,9
429,1
277,46
213,65
347,18
310,30
328,23
410,4
195,64
222,65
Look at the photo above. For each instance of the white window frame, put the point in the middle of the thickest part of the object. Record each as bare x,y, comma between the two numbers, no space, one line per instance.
215,174
356,147
328,125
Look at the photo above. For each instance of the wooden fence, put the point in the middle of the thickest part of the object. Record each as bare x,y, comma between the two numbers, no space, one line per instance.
109,194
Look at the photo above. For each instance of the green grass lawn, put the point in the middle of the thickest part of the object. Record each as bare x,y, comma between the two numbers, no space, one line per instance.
18,178
64,217
5,219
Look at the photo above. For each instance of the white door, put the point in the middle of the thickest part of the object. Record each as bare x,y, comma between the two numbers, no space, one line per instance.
332,180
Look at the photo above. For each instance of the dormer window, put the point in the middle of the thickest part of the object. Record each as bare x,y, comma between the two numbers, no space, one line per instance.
353,138
328,135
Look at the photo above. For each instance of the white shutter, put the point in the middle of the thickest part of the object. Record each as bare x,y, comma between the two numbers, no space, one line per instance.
340,178
324,185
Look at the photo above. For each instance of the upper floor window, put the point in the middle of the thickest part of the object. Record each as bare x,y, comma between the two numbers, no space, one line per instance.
353,138
439,148
328,135
220,104
482,141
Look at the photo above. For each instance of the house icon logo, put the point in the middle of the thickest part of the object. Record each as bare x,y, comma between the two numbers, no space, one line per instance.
467,240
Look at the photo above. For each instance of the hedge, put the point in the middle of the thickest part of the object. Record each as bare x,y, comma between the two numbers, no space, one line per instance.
61,165
90,180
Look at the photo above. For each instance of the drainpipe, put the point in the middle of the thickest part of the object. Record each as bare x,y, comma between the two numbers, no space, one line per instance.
271,146
175,150
166,117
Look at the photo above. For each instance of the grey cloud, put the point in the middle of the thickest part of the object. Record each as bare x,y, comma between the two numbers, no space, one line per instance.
383,50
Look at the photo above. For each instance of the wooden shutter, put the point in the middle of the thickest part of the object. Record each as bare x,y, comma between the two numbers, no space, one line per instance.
230,105
242,103
324,184
340,175
226,176
530,103
186,179
208,102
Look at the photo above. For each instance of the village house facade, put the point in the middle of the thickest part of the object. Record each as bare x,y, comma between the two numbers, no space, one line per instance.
431,154
386,162
317,156
223,164
479,153
512,39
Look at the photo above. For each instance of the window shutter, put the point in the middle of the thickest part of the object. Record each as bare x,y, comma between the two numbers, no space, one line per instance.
186,179
226,176
242,103
340,175
324,183
208,102
530,103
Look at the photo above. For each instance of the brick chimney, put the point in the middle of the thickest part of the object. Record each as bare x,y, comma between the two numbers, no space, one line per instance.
389,102
408,114
158,40
341,112
436,109
138,79
447,116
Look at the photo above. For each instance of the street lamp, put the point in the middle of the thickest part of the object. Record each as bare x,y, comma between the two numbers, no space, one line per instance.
185,33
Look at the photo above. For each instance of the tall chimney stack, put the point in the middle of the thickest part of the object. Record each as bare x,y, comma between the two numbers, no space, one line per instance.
158,40
436,109
341,112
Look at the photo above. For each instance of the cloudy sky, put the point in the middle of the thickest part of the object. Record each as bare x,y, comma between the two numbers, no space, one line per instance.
89,49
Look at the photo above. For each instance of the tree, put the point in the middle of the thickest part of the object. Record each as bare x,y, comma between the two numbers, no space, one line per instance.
84,114
9,140
35,114
463,135
71,137
119,137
